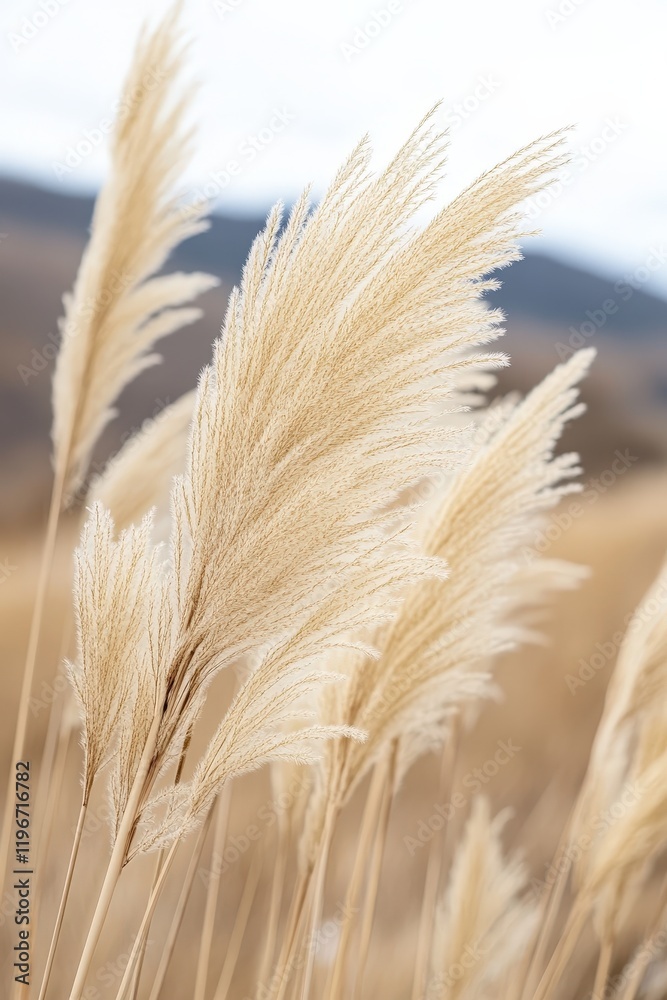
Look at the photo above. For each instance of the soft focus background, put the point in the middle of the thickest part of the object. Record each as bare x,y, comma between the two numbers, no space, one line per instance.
287,90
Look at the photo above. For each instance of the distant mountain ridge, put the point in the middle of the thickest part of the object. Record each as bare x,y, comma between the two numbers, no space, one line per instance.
222,249
552,308
539,287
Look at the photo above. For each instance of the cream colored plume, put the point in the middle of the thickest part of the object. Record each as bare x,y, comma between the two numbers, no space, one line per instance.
638,684
118,309
270,720
485,918
114,604
321,404
623,804
435,656
485,528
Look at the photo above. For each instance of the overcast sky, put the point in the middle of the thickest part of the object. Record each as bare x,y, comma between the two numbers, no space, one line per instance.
289,86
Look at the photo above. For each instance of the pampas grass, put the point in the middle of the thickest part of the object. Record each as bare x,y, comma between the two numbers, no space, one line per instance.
341,517
485,916
118,307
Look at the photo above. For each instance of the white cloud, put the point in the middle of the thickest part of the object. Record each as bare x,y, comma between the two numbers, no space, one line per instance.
344,68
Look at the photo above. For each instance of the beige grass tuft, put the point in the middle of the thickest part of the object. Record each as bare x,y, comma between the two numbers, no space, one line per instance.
118,308
485,917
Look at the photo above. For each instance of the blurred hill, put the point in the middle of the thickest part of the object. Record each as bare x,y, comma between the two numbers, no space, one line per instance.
551,307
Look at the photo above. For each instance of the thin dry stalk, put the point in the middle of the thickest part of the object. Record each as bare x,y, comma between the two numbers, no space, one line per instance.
316,904
275,903
646,951
55,937
434,868
146,921
212,892
159,863
644,954
57,725
52,772
177,918
138,968
562,952
373,880
367,830
298,916
164,865
602,971
549,907
240,924
116,862
52,775
282,972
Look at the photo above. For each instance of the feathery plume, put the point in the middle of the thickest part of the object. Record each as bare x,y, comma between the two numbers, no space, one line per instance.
435,655
322,404
639,677
485,918
627,774
483,529
113,588
118,309
318,407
